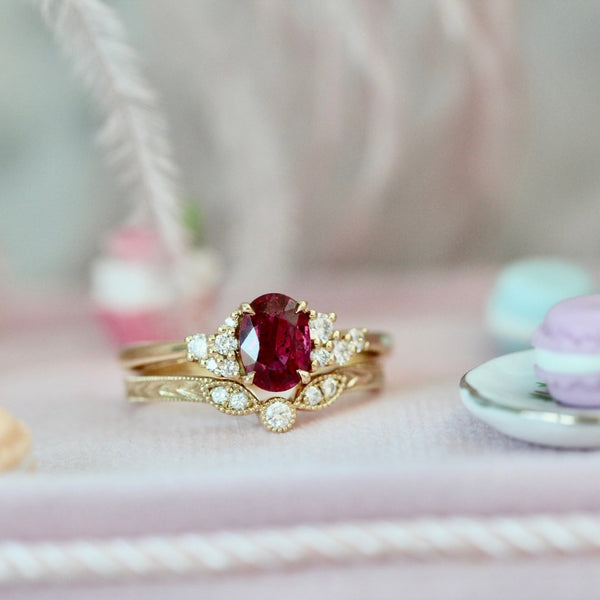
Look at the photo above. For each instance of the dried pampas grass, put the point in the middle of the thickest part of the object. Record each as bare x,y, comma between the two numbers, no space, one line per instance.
133,132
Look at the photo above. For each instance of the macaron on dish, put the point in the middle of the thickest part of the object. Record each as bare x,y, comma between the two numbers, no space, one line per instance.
567,351
524,292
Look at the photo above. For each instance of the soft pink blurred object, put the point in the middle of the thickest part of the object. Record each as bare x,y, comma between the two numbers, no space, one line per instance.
136,298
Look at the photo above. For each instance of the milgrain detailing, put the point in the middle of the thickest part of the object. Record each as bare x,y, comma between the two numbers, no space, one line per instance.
233,398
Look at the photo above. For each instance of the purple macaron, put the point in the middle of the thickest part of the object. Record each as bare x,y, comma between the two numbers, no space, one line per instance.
567,351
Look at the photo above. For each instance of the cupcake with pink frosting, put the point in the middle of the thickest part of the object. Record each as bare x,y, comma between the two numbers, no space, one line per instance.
134,296
567,351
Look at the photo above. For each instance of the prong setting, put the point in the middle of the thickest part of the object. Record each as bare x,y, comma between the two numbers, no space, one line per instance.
304,376
249,378
247,309
302,307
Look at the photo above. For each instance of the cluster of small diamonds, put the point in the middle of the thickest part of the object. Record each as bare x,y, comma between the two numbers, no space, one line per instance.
314,394
218,353
231,398
321,392
330,346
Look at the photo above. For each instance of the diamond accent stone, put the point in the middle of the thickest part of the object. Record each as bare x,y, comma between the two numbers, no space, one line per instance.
212,365
321,328
219,394
358,339
279,415
342,352
329,387
225,344
238,401
197,346
313,395
320,356
230,368
231,322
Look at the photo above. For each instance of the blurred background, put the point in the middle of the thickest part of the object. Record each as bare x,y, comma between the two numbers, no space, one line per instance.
318,135
380,158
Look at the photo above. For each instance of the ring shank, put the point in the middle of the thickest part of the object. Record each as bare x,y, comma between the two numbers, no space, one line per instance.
167,355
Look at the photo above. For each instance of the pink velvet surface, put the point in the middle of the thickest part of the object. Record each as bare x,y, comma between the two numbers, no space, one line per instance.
105,468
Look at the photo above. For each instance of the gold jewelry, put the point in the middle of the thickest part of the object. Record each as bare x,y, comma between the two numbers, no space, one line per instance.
272,356
156,355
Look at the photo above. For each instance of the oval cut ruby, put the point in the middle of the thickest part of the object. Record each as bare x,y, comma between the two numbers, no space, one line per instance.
275,342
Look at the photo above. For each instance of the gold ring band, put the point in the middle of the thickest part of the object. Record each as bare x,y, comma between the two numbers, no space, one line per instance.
232,398
163,354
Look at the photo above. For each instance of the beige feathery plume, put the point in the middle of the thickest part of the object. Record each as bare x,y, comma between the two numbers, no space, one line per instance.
133,132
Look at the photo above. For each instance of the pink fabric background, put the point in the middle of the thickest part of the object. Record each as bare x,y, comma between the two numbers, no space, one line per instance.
109,469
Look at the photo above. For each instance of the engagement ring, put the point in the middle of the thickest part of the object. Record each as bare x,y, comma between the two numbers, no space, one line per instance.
273,356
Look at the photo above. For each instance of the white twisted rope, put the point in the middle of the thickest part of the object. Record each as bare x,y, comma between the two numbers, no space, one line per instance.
267,549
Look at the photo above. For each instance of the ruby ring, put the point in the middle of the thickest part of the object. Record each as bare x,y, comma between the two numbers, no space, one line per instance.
273,356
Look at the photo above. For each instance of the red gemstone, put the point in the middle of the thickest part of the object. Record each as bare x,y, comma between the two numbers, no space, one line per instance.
275,342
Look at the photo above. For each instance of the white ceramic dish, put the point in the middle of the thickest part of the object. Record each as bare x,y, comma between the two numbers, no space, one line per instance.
505,394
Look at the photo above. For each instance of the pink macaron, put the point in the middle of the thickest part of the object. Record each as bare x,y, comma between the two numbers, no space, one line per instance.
567,351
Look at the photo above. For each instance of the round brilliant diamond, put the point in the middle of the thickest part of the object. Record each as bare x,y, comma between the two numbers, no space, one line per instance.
321,328
219,394
238,401
197,346
225,344
279,415
320,356
329,387
313,395
230,368
342,352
